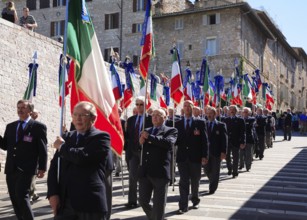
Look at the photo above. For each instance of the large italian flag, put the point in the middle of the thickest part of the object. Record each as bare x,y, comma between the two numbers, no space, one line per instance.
91,82
176,84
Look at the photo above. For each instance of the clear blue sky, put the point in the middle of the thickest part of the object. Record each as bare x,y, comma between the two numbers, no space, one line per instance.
289,15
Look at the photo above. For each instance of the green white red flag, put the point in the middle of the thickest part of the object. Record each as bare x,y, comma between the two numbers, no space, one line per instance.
90,75
176,83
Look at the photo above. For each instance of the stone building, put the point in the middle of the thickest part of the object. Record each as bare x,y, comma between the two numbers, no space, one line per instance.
222,30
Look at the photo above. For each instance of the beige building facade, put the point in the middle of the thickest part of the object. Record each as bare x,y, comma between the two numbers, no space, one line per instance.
221,30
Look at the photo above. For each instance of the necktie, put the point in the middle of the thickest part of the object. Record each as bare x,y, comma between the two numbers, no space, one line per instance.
155,131
79,138
20,130
210,128
187,126
137,130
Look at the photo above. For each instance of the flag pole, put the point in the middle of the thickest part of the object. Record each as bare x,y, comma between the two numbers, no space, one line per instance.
173,155
144,115
64,63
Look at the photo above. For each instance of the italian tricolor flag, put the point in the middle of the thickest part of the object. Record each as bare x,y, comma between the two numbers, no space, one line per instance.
91,82
176,84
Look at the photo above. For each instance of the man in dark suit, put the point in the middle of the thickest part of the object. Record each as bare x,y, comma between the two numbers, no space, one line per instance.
25,141
192,153
155,170
236,139
260,131
246,154
287,125
80,191
217,136
133,148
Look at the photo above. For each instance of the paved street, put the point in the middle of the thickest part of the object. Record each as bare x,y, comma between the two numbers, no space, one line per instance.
275,188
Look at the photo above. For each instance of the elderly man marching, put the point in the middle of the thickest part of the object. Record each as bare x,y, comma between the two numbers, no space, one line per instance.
236,140
218,143
246,154
192,153
154,175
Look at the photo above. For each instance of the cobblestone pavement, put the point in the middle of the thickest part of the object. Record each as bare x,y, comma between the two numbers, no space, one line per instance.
275,188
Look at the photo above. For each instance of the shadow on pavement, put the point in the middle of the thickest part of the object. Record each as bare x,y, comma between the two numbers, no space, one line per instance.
283,196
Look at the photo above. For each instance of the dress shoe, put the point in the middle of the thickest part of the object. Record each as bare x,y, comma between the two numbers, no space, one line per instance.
248,169
211,192
195,206
229,172
131,205
260,158
182,211
241,167
235,175
117,174
35,197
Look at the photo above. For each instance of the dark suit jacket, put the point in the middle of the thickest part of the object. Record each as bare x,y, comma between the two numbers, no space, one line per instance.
157,153
236,131
218,139
132,146
260,124
192,145
288,119
83,168
250,130
29,153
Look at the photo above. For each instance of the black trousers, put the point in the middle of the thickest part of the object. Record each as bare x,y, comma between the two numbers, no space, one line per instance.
212,170
134,163
189,172
19,184
287,133
68,213
157,186
232,164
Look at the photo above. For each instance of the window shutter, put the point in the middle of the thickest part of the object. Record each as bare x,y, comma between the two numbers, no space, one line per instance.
31,4
204,46
62,27
106,54
106,22
134,5
218,40
218,18
133,28
116,20
52,29
55,3
64,2
135,60
44,4
205,20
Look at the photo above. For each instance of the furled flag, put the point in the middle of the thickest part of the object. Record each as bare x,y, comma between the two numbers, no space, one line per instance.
31,88
247,92
269,100
219,87
258,81
176,84
147,41
144,92
67,78
204,81
91,78
116,85
153,87
129,90
187,87
166,93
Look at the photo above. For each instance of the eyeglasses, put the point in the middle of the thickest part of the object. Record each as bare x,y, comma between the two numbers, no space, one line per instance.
139,104
75,115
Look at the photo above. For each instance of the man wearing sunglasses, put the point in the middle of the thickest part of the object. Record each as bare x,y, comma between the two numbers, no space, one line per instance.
133,147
